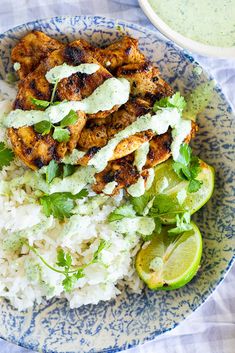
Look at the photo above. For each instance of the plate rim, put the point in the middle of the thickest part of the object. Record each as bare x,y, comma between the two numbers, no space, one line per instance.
155,334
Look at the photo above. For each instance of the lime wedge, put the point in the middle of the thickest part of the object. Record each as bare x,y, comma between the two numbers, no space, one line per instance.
168,183
169,262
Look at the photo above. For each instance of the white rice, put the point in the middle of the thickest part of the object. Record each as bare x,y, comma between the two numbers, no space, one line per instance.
24,279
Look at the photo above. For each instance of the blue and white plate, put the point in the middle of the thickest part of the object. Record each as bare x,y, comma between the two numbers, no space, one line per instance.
132,318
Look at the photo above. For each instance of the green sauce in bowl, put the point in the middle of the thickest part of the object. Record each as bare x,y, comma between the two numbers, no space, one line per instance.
211,22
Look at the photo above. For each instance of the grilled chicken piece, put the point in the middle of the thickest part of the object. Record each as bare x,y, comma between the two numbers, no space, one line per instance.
145,81
79,86
93,136
31,49
131,144
97,135
125,174
36,45
146,87
36,150
126,115
124,148
122,52
75,87
122,171
75,131
160,147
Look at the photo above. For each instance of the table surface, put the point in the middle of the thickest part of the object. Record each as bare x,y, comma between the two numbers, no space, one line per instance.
211,329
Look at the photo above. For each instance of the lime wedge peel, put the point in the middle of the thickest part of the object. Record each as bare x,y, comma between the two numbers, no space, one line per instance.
169,262
192,201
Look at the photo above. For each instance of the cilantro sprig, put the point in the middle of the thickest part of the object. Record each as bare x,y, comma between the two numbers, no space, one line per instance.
161,207
43,104
54,170
65,260
60,204
61,133
6,155
68,169
40,103
43,127
140,204
164,207
175,101
70,119
187,167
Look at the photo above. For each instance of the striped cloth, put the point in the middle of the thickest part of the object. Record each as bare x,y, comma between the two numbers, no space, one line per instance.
211,329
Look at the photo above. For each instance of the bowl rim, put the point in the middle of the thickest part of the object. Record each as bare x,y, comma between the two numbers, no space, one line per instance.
155,334
182,41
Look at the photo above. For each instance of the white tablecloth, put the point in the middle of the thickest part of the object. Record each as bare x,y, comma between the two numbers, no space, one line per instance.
211,329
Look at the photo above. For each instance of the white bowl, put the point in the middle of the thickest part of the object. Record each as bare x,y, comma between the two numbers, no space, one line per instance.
184,42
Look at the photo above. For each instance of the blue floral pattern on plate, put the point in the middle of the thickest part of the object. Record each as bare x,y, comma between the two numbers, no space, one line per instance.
132,318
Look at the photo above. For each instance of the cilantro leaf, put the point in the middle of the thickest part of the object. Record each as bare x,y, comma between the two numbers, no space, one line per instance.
52,171
162,204
175,101
194,185
164,208
61,261
122,212
68,283
43,127
68,259
101,246
182,171
158,225
195,167
39,103
182,224
68,169
79,273
56,102
83,193
60,204
6,155
70,119
185,154
187,167
140,203
61,135
64,260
